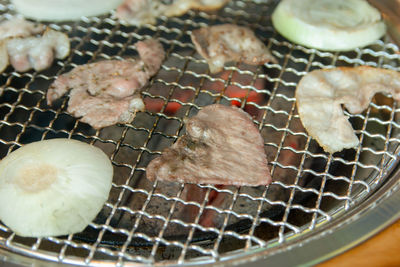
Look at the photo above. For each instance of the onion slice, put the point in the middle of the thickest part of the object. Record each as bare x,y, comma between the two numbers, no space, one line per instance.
53,187
63,10
338,25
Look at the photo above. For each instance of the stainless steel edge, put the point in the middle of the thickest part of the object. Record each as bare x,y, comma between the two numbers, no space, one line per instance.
16,260
328,240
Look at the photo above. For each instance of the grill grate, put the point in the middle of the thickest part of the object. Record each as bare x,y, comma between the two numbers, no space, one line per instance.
143,222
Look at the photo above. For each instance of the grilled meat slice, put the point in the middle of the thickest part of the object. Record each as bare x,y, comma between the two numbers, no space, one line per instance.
285,170
107,92
221,146
37,53
26,45
321,93
18,27
228,42
138,12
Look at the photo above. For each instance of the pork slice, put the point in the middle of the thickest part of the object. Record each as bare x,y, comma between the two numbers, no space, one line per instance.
37,53
321,93
221,146
228,42
152,54
138,12
19,27
107,92
26,45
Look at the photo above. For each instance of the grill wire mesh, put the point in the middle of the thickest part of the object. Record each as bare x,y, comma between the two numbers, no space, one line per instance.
142,222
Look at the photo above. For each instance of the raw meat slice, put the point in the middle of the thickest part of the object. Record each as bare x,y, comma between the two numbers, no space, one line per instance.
221,146
228,42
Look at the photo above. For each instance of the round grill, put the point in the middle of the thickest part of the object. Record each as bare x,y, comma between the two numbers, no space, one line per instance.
159,223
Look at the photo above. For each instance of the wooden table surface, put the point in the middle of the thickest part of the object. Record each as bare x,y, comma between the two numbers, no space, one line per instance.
382,249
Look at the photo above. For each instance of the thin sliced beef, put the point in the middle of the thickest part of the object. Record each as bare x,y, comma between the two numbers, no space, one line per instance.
107,92
221,146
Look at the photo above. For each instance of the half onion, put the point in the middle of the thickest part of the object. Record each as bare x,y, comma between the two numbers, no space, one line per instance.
53,187
63,10
337,25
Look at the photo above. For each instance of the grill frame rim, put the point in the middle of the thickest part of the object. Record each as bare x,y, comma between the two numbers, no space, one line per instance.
367,213
195,260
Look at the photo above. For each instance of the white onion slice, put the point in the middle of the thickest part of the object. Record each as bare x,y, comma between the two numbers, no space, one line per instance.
333,25
62,10
53,187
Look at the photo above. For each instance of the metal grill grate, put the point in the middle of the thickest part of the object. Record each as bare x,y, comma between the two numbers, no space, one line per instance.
144,222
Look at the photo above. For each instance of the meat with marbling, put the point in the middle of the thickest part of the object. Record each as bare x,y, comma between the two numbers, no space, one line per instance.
138,12
321,93
26,45
221,146
107,92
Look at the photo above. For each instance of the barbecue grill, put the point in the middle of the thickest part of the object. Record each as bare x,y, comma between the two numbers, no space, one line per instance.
321,204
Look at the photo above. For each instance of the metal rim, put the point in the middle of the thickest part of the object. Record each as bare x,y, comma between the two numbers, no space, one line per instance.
295,61
362,222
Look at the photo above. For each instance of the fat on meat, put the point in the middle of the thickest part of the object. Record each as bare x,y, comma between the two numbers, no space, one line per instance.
107,92
26,45
321,93
138,12
228,42
221,146
19,27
